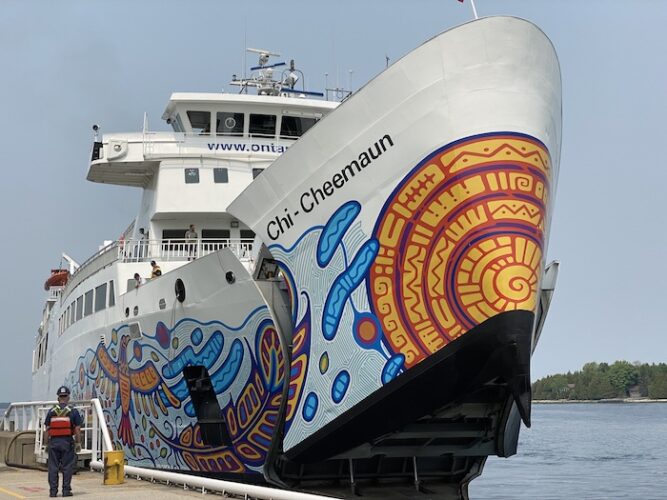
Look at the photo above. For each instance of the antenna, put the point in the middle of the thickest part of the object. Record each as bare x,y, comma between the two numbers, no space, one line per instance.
265,82
263,55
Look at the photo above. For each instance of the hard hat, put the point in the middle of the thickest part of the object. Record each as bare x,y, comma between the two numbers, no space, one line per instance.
63,391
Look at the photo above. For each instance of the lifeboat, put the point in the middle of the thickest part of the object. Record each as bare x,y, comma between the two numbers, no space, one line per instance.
58,278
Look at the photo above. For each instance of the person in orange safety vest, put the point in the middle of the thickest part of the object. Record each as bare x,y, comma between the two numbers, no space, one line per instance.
63,434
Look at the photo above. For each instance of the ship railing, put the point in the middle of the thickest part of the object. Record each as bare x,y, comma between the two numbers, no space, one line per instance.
99,260
30,416
54,292
178,249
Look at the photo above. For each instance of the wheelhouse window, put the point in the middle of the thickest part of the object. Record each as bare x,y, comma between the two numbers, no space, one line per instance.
101,297
88,303
192,176
220,176
295,126
229,124
177,124
262,125
200,121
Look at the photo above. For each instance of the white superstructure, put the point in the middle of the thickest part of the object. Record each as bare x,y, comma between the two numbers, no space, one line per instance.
219,144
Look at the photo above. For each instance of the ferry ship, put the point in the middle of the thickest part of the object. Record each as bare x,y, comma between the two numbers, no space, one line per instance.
350,292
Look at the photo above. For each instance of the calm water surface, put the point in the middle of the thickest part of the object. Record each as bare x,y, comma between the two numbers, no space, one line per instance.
584,451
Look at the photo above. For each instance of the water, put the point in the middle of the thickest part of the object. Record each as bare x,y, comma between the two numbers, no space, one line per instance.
583,451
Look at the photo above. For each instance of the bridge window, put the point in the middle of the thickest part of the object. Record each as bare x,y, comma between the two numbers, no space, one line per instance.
177,124
263,125
295,126
200,121
229,124
100,297
220,176
192,176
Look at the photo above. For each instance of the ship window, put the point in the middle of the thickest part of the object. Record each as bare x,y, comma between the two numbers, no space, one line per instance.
173,239
295,126
88,303
79,308
229,124
72,317
220,175
247,236
214,239
215,234
200,121
262,125
178,124
100,297
192,176
112,297
256,172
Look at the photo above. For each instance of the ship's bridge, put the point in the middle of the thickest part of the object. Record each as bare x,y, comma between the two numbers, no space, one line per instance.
240,127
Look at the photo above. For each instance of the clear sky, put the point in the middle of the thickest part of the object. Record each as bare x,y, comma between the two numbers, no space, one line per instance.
68,64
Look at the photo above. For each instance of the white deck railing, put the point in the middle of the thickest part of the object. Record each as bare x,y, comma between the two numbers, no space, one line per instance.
159,250
29,416
179,249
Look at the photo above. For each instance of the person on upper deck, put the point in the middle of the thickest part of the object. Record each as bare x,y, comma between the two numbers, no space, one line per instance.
139,280
191,242
156,271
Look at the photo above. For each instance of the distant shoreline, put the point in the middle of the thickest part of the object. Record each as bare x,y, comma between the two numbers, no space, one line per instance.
604,401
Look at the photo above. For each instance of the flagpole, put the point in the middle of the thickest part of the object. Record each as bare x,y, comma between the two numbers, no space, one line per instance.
474,9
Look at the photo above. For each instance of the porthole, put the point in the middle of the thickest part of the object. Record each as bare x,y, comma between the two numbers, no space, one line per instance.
127,312
230,277
136,310
179,289
162,304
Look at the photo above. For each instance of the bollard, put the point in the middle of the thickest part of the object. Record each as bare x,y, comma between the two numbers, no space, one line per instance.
114,467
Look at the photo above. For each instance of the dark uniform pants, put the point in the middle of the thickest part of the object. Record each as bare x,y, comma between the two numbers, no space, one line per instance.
61,456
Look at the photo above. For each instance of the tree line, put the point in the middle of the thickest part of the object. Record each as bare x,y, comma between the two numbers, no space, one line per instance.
621,379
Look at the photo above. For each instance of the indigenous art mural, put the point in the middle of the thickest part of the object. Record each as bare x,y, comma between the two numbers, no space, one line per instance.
139,381
459,240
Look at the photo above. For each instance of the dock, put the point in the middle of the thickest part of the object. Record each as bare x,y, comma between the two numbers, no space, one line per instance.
32,483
